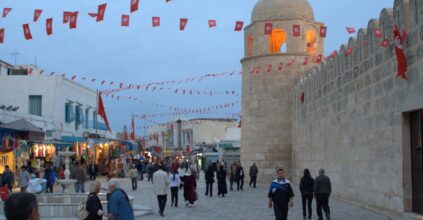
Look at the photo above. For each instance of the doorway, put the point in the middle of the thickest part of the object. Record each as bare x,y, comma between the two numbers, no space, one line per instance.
416,132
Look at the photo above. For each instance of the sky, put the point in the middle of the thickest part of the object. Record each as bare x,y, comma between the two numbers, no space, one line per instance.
141,54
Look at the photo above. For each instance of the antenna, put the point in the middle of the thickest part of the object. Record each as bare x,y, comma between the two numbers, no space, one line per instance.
15,54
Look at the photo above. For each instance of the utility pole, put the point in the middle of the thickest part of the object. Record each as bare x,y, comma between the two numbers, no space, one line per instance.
15,55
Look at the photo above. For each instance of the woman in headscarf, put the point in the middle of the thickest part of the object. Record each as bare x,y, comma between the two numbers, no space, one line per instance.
190,185
221,182
93,204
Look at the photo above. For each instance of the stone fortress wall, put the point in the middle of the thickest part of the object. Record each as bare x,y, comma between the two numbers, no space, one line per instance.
353,121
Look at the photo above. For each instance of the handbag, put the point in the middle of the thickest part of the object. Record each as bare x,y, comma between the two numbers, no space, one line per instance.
81,211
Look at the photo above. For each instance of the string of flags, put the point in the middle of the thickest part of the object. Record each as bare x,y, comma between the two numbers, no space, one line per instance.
176,91
170,124
174,114
173,108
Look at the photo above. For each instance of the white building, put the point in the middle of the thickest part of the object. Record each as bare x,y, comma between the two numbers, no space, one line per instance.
64,109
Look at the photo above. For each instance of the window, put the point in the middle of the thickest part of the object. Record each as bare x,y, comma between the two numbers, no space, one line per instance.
77,117
250,45
87,111
69,113
95,119
311,42
277,40
35,103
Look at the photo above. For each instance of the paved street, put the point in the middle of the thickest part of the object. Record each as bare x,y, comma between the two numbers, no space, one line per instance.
248,204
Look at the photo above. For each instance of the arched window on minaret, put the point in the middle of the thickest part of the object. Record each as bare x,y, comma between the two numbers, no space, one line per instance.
250,45
277,41
311,42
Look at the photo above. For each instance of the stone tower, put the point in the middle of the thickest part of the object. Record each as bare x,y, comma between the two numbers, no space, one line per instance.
271,66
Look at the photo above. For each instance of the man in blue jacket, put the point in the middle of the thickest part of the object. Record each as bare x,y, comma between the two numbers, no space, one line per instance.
280,195
118,205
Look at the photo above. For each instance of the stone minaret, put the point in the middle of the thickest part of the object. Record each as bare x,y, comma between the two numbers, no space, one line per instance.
267,91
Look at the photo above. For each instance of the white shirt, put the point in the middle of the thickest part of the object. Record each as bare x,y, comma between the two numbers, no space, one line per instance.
176,182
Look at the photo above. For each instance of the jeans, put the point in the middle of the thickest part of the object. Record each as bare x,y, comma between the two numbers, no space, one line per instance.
322,201
79,188
281,211
253,181
240,183
92,176
174,195
231,183
49,188
162,202
306,201
209,185
134,183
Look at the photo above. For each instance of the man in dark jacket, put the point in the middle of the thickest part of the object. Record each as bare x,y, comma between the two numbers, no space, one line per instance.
209,176
239,177
253,175
8,178
322,190
280,196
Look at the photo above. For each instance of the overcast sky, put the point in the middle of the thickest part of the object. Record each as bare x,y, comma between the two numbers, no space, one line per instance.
141,54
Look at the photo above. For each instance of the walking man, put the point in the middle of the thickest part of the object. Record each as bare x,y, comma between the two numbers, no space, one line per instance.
280,196
8,178
322,190
133,174
92,170
209,176
78,173
161,185
253,175
239,177
24,178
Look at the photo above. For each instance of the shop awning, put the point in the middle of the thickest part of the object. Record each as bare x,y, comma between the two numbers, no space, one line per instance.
56,143
72,139
33,132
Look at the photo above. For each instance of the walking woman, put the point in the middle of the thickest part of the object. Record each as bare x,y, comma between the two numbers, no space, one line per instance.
93,204
306,188
190,185
221,182
174,182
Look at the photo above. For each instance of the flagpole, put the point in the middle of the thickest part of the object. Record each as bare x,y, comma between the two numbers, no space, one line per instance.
95,119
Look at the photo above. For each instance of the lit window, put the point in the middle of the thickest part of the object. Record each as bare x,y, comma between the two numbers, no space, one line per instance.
277,40
311,42
250,45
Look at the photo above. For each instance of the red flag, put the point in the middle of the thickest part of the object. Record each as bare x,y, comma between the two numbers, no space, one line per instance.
92,14
102,111
305,61
134,5
93,80
378,33
66,16
73,19
268,27
183,23
333,54
239,25
100,12
302,97
156,21
102,82
399,52
73,77
1,35
27,32
384,43
125,20
296,30
258,70
37,14
212,23
132,135
323,31
269,68
6,11
319,58
350,30
49,26
348,52
365,43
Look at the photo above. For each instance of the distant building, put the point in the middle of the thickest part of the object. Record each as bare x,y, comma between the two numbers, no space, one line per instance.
180,134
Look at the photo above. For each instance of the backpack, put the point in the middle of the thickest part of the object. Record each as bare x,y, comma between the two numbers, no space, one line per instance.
81,211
